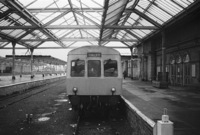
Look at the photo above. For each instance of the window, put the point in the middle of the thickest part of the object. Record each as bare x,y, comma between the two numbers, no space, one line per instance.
94,68
110,68
78,68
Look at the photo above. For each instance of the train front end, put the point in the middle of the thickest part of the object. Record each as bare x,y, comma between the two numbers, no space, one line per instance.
94,77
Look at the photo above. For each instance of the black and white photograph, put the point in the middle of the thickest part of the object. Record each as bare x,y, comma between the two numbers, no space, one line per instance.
99,67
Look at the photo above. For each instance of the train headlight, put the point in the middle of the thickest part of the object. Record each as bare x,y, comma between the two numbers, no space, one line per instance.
75,90
113,90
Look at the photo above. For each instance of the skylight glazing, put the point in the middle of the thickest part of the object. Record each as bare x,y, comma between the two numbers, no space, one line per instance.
68,22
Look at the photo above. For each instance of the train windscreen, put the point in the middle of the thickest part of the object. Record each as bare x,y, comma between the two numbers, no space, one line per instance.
110,68
94,68
77,68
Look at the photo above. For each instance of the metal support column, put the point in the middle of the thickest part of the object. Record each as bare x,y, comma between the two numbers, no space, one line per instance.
13,60
43,72
56,69
21,69
142,62
32,74
131,64
163,58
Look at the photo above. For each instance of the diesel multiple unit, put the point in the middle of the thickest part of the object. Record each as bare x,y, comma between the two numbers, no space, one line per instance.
94,77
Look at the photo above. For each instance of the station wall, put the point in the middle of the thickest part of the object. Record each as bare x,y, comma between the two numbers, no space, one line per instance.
182,53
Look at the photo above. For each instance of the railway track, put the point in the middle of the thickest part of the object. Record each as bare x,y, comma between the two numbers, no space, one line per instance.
20,96
94,122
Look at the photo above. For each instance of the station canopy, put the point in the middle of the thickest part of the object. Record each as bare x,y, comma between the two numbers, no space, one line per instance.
55,24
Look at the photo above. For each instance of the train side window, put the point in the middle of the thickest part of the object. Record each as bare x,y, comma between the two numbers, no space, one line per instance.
77,68
110,68
94,68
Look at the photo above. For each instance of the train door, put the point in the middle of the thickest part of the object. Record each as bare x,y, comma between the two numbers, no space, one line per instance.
186,70
179,71
172,71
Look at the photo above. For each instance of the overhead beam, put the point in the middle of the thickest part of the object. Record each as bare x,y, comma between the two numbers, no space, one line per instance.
75,17
70,47
32,20
5,13
73,39
40,10
127,16
106,3
56,18
89,19
79,27
144,16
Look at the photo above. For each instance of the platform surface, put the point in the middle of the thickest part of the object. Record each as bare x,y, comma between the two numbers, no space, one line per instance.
7,80
183,106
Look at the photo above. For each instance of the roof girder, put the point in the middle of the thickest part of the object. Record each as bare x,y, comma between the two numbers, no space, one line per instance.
31,20
75,17
78,27
144,16
74,39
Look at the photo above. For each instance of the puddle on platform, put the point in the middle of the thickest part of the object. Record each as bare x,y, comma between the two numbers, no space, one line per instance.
63,93
61,96
46,114
42,119
61,100
73,125
57,104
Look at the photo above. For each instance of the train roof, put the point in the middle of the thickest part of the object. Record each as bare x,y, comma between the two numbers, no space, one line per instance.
92,49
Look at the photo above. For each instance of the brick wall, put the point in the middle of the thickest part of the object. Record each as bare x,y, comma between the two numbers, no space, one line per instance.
141,124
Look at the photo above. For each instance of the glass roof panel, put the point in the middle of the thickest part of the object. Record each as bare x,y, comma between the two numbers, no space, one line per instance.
3,8
39,34
95,17
6,31
167,6
130,3
125,35
112,14
94,32
65,20
45,3
88,3
73,34
116,44
144,4
138,33
45,17
29,36
32,43
5,22
158,20
159,13
16,33
60,33
68,44
144,22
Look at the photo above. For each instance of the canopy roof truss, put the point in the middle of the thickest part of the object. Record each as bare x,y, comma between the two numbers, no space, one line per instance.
31,23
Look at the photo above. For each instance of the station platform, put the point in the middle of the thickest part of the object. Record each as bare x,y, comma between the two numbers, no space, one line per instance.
183,106
7,80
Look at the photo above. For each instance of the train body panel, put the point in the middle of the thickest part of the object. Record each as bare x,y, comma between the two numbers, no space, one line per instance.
94,86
